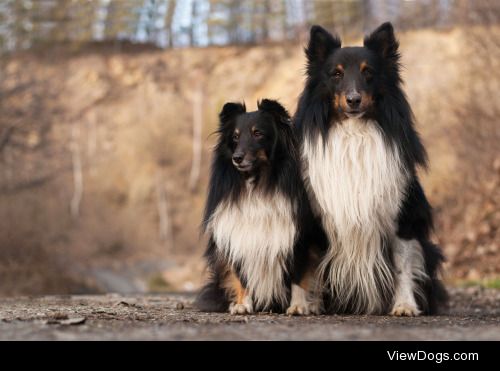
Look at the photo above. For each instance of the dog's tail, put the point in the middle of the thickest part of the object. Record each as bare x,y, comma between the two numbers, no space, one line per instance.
437,296
212,297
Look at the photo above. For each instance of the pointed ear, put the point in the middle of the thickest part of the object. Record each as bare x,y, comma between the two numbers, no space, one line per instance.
230,111
383,42
275,109
321,44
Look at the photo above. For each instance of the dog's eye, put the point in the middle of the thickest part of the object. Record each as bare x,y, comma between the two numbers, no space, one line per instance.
368,74
337,74
258,134
236,137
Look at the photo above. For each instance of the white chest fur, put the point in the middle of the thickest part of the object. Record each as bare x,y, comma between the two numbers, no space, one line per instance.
258,234
356,181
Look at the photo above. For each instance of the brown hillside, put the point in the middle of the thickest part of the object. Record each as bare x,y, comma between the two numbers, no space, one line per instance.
127,119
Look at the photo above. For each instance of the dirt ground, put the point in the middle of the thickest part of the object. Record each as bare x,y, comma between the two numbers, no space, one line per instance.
474,314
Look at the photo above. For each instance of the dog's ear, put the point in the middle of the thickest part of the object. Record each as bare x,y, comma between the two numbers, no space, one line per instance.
383,42
230,111
321,44
275,109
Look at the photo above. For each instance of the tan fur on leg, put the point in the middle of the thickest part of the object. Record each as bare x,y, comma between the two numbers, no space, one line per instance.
241,302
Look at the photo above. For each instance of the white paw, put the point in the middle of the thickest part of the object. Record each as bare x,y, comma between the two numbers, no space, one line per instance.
298,310
404,310
240,308
302,310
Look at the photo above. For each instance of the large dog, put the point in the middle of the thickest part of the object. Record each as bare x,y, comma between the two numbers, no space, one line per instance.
360,152
257,216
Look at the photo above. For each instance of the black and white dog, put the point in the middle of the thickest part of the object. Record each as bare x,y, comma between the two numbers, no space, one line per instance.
360,152
257,216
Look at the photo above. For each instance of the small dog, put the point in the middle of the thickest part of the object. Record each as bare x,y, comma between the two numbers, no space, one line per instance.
360,152
257,216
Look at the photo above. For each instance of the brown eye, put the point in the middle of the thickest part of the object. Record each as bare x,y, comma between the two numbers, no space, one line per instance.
368,74
338,74
258,134
236,137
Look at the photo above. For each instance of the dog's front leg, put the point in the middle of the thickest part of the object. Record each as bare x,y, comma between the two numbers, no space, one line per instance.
410,268
300,303
242,301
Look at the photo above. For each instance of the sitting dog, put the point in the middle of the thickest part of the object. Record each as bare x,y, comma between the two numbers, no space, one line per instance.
360,153
257,216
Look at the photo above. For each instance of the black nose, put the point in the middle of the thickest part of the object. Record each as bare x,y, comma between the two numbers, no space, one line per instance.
238,158
353,99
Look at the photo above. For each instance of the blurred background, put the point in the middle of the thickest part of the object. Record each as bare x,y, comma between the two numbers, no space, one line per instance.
107,106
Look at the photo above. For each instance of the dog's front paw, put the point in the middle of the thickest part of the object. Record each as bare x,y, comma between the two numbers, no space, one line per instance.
315,308
298,310
302,309
404,310
240,308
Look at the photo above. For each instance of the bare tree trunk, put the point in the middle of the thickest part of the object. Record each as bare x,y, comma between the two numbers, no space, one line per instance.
77,171
165,227
265,21
92,136
91,141
194,176
169,24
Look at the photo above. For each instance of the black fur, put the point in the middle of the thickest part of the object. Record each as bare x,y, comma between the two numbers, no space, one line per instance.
415,222
281,172
316,113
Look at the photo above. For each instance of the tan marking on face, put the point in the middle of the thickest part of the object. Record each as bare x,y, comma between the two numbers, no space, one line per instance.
261,155
336,102
343,102
339,67
363,66
366,101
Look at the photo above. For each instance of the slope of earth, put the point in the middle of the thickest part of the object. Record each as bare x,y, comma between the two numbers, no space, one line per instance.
98,188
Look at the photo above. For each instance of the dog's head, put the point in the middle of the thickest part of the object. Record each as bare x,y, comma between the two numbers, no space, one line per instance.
353,78
251,137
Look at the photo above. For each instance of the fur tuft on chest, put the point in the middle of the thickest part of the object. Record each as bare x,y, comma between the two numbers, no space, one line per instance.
355,175
257,233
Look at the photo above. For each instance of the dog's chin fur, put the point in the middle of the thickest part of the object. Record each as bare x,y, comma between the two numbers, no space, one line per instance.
358,182
356,115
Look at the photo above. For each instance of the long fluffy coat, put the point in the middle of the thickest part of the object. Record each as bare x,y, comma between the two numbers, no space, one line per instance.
259,228
361,177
